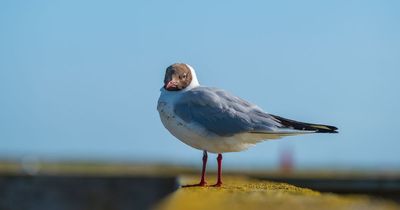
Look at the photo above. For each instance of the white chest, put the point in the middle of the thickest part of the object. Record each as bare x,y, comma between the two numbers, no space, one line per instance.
176,126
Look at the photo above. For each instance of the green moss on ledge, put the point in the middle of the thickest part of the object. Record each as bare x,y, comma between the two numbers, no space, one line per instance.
240,193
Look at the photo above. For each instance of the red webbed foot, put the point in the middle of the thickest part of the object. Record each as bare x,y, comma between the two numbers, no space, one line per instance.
218,184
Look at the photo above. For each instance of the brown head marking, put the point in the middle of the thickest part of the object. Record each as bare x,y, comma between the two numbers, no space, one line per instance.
177,77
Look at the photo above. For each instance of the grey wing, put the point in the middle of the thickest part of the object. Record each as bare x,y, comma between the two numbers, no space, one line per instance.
222,113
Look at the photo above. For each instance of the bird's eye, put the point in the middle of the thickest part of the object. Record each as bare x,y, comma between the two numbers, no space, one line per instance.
184,76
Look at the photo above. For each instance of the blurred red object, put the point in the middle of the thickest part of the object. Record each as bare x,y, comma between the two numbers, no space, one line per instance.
286,162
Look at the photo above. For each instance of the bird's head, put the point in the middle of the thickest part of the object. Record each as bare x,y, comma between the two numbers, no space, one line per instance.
179,76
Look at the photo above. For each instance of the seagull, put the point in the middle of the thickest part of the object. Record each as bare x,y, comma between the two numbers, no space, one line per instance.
213,120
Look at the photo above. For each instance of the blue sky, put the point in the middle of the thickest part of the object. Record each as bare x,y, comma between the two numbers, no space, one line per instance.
81,79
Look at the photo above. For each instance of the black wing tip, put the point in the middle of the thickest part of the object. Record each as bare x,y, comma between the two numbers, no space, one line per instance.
328,129
317,128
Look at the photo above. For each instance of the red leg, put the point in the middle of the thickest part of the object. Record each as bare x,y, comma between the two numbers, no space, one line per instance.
203,173
219,181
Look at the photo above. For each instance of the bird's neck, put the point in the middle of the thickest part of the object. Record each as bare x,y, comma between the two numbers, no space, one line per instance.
195,82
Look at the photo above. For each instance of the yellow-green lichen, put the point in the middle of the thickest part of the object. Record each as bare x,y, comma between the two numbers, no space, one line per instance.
239,193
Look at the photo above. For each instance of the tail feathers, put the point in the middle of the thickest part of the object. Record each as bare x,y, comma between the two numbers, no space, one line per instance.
301,126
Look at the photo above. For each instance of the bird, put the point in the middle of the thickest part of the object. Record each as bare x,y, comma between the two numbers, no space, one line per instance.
213,120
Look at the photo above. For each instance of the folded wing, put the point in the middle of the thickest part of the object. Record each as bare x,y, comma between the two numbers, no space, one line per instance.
224,114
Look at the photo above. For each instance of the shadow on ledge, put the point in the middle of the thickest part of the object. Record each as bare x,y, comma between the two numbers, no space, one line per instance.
20,192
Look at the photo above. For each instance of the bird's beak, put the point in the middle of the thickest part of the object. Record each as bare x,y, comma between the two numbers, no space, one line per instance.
171,85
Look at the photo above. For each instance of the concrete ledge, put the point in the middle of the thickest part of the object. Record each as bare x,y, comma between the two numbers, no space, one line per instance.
56,186
242,193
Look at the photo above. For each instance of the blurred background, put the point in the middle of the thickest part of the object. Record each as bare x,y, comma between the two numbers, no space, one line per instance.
79,80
